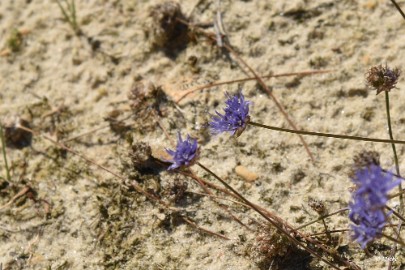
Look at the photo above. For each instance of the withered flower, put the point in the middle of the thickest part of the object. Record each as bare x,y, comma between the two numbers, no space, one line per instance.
382,78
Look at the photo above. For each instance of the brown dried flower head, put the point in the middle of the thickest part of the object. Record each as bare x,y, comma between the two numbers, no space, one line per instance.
317,206
167,31
364,159
382,78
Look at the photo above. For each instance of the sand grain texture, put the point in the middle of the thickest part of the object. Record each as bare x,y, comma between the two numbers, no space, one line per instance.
66,85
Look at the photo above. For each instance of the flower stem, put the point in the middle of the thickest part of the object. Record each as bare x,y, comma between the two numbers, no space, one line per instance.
329,135
387,106
394,150
3,148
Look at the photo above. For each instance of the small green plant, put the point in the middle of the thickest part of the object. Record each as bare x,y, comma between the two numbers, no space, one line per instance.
69,13
14,42
3,148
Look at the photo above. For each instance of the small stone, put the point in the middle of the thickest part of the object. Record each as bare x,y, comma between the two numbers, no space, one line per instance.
166,30
246,174
161,216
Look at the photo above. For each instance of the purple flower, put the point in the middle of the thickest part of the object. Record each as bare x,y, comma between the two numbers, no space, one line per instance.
367,224
373,185
235,117
368,203
185,154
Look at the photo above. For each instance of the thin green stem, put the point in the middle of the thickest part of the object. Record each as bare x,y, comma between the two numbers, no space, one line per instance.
329,135
69,14
73,12
387,106
394,150
3,147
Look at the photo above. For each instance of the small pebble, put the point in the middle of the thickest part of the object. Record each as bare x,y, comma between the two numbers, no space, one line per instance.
246,174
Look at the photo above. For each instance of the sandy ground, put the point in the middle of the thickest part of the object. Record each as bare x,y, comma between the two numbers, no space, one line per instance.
59,212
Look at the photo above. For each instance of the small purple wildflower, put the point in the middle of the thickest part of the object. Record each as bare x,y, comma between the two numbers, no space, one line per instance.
185,154
369,224
235,117
369,200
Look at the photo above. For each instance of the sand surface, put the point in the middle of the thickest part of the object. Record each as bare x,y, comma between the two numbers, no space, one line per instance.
59,212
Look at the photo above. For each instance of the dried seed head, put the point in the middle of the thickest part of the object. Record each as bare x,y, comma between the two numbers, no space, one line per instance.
317,206
268,245
168,32
366,159
382,78
363,160
272,250
178,190
142,93
141,155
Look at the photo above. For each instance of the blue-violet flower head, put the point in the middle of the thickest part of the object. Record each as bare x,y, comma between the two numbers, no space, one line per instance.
367,225
373,185
185,154
235,117
368,203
